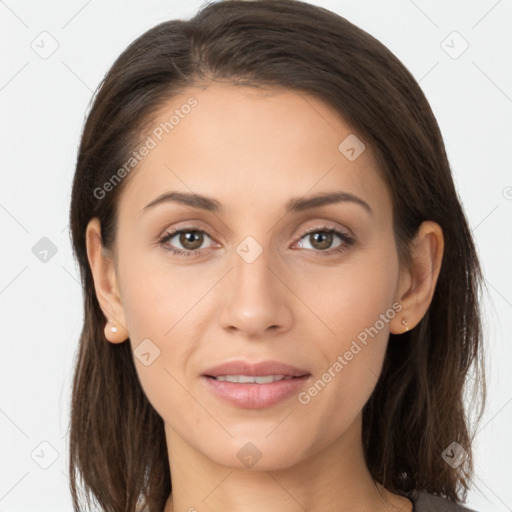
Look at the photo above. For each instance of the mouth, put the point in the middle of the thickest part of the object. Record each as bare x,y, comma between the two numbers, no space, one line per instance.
254,385
255,391
246,369
253,379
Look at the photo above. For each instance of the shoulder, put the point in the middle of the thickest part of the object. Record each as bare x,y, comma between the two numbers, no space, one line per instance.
426,502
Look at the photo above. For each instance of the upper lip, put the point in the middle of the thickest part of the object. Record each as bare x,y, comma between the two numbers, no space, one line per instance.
261,368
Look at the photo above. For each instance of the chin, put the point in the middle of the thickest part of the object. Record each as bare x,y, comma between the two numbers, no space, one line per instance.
255,453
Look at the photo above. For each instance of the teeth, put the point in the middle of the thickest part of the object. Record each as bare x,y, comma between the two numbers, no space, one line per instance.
267,379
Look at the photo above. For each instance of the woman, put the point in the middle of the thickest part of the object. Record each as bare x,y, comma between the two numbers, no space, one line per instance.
280,284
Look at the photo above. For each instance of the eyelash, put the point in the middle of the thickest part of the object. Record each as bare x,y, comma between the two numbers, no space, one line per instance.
319,229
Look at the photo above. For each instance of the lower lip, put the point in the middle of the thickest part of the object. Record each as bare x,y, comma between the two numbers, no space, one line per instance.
255,396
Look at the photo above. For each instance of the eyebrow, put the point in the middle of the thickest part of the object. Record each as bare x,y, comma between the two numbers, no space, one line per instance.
294,205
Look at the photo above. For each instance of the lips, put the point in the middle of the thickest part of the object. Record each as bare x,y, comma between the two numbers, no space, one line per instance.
260,369
254,385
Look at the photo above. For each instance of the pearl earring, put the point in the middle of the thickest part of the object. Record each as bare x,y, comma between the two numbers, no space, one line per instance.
404,322
114,328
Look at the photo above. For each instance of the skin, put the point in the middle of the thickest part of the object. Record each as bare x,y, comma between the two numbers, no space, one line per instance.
252,151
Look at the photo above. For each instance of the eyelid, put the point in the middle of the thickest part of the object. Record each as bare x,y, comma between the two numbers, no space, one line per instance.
325,225
189,226
194,226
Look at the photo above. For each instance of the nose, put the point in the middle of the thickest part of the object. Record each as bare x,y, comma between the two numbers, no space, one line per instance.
255,299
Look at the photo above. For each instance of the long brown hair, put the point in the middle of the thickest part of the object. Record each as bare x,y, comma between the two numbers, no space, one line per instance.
117,441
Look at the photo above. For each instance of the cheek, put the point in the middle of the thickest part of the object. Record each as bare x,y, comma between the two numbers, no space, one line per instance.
350,297
162,339
158,297
355,306
162,314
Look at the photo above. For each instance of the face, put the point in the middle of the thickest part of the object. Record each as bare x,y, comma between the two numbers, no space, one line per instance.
261,277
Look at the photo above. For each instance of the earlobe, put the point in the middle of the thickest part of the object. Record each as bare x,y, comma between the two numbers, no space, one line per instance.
114,332
417,288
402,321
103,271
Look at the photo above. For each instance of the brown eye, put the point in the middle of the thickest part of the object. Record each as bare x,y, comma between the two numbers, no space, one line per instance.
188,241
321,239
191,240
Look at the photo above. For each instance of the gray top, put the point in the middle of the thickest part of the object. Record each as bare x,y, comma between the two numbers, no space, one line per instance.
426,502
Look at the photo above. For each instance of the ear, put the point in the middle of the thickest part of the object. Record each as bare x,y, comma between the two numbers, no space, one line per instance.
417,284
105,283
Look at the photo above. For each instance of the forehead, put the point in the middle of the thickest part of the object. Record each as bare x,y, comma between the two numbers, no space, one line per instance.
244,145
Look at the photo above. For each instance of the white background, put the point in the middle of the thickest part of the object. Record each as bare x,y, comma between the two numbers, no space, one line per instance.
42,105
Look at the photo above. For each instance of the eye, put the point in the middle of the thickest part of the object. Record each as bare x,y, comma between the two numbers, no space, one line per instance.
321,238
190,238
